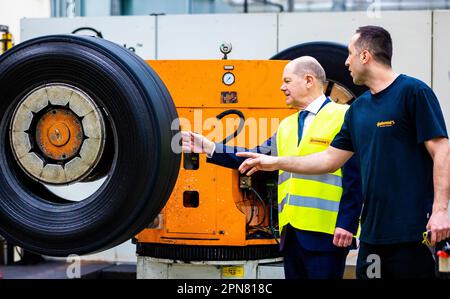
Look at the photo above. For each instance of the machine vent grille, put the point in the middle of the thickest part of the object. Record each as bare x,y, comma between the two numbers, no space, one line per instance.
207,253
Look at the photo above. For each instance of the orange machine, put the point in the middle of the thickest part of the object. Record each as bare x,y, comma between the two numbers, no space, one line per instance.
214,212
212,206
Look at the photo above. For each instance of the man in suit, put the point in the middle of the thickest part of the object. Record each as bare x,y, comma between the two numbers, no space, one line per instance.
318,215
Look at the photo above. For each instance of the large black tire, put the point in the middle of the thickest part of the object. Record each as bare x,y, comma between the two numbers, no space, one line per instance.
331,56
143,167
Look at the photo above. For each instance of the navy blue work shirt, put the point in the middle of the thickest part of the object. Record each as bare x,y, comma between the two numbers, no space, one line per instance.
387,131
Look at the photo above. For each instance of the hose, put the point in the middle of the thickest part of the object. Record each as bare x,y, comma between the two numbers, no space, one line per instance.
241,123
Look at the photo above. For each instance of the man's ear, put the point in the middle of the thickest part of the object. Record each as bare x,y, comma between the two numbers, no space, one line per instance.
309,80
365,56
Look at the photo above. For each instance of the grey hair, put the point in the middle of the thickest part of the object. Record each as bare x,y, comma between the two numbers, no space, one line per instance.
309,65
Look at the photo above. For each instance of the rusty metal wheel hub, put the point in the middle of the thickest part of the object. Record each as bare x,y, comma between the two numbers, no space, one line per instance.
57,134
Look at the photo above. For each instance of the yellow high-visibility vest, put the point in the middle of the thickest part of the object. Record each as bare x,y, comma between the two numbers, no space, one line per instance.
310,202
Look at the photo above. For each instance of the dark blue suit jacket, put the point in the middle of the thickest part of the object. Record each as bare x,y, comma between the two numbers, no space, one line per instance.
349,207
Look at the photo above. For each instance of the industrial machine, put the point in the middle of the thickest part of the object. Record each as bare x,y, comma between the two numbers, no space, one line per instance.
81,109
6,39
214,213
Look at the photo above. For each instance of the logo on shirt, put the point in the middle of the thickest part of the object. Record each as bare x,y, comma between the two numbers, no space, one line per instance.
319,141
382,124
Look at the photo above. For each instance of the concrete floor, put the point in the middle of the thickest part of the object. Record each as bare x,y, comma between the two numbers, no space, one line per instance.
59,269
53,269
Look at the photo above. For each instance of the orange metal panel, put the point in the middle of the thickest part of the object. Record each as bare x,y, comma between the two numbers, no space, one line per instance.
196,87
198,83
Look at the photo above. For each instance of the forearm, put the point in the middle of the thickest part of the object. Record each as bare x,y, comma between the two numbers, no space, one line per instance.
441,179
317,163
352,198
226,156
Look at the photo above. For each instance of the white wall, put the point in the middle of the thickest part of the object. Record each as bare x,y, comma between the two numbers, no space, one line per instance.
98,8
253,36
133,31
11,11
441,61
410,31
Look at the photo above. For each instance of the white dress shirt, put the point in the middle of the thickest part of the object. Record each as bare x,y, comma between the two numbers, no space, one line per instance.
313,109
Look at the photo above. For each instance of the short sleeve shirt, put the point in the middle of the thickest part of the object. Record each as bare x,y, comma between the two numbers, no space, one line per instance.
387,131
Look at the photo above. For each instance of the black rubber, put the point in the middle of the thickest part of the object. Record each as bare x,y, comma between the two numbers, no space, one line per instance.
331,56
189,253
143,168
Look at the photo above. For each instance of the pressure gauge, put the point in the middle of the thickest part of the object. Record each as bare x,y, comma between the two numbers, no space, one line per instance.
228,78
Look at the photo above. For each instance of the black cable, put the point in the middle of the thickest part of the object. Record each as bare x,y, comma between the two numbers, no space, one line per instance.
269,195
280,6
97,32
271,211
241,123
271,227
251,211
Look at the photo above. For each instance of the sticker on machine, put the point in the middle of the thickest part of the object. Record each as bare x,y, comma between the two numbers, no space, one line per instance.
233,271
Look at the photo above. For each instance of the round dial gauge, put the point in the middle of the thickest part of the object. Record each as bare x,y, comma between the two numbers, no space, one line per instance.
228,78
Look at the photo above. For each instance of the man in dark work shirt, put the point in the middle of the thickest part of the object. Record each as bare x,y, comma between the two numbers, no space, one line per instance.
397,131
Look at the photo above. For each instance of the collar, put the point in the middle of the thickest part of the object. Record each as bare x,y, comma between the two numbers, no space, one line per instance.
315,105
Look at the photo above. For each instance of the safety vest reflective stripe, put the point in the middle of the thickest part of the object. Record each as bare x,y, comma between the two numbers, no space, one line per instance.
327,178
313,202
309,202
282,203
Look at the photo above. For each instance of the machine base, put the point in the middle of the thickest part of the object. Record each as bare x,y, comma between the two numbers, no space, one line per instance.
154,268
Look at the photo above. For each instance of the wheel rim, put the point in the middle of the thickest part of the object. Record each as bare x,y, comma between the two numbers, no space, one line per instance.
338,92
57,134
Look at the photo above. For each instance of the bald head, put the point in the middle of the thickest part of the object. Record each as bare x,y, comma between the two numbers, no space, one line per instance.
307,65
303,81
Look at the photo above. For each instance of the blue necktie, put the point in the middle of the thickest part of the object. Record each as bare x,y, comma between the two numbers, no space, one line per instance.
301,122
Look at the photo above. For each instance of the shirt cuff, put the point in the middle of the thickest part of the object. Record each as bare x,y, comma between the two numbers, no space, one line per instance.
209,155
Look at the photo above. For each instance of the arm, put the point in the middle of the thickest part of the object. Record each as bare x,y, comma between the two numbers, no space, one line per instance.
350,206
226,155
439,223
196,143
326,161
426,113
218,153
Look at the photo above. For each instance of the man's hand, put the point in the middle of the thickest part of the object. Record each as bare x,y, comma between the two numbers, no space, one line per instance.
257,162
439,225
196,143
342,238
439,222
